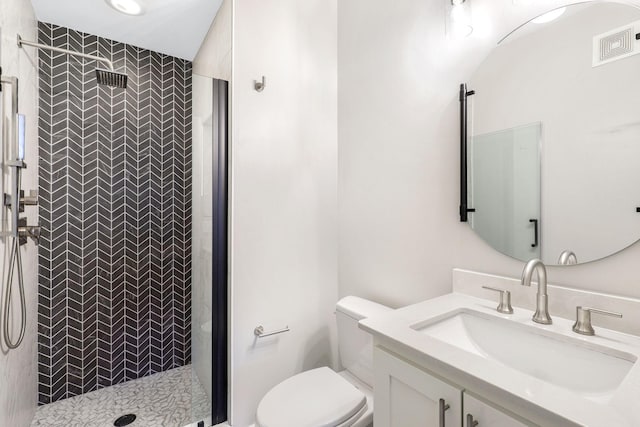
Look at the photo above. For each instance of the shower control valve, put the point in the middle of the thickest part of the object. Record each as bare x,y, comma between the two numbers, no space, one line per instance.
24,231
29,200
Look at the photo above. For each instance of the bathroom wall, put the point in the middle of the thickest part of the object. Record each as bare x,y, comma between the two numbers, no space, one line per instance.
115,191
399,155
283,194
18,368
214,57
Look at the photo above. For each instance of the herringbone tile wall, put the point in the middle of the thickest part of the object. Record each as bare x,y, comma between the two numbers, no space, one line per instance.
115,209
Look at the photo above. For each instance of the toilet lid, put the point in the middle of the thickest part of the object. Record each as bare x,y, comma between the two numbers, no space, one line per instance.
316,398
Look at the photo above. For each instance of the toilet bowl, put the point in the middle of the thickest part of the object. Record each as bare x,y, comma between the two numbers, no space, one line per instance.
322,397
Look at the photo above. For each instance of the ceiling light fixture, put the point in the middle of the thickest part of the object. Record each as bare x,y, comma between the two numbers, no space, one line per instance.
459,18
128,7
549,16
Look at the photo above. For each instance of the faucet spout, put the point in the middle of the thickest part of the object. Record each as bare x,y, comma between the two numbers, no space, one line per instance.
567,258
542,299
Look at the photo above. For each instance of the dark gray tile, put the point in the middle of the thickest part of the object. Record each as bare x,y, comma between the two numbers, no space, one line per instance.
110,164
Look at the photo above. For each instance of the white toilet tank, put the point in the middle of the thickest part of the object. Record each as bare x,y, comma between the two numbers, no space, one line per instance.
354,344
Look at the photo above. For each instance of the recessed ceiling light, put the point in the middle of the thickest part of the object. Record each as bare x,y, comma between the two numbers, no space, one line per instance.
549,16
128,7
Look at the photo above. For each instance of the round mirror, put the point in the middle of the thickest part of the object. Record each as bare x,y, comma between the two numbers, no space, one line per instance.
554,147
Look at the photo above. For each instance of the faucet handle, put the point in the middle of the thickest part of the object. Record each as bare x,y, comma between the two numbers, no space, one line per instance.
583,319
505,300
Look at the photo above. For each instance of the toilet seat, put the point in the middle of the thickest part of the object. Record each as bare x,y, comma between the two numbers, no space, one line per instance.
316,398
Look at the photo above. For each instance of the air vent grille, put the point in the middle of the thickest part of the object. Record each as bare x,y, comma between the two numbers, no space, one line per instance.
616,44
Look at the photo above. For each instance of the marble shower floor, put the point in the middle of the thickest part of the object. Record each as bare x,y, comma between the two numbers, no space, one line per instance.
160,400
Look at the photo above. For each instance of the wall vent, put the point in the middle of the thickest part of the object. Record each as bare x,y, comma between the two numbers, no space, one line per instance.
616,44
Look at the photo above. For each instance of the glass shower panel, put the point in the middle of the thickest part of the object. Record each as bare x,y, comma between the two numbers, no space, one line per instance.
505,190
201,341
209,287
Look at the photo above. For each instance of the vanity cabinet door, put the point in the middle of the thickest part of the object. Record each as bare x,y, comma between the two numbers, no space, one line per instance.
487,416
407,396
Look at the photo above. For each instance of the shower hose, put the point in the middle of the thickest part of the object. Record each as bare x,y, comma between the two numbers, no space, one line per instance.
14,259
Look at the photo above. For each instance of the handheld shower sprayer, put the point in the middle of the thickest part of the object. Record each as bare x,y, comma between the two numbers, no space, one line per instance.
13,236
106,77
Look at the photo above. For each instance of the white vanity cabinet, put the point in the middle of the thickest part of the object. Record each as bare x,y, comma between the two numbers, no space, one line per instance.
486,415
504,370
408,396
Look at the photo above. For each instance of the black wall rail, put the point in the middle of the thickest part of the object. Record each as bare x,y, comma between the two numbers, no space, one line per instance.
464,209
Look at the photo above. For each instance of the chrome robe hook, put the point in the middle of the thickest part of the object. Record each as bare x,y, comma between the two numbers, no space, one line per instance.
259,86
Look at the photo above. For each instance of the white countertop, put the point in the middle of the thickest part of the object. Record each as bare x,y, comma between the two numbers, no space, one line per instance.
498,381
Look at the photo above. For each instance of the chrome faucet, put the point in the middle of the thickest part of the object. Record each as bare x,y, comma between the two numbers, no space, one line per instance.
542,299
567,258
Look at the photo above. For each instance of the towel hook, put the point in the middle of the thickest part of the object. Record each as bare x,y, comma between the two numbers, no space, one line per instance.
259,86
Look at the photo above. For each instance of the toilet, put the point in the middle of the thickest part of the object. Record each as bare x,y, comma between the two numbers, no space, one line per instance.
322,397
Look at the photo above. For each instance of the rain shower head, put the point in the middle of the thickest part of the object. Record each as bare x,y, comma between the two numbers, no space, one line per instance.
108,77
111,78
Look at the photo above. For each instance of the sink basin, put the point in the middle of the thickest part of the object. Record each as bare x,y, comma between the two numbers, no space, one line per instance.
589,369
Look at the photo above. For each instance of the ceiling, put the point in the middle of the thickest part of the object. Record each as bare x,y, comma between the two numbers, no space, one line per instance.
172,27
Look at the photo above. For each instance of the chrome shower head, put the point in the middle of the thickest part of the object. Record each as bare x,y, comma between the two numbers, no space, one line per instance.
111,78
107,77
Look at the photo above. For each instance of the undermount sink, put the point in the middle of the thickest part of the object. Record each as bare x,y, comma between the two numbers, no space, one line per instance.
592,370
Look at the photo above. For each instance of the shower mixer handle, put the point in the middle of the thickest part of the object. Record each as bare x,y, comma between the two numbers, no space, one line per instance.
29,200
17,164
24,231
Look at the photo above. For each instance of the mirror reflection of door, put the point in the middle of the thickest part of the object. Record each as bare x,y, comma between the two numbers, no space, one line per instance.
505,190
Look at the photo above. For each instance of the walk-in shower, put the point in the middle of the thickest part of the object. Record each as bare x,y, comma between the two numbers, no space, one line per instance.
124,332
117,331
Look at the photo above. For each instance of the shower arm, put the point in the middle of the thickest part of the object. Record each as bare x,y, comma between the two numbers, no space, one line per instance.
67,51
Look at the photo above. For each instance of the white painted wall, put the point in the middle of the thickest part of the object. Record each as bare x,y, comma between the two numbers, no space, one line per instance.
398,153
18,368
214,57
283,194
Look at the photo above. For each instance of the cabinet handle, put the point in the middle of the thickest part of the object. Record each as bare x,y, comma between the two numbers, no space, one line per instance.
443,407
470,421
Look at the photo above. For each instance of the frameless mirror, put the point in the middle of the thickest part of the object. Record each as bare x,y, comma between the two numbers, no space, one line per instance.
554,140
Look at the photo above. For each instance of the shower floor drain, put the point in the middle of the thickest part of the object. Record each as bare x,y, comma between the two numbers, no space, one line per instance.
124,420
